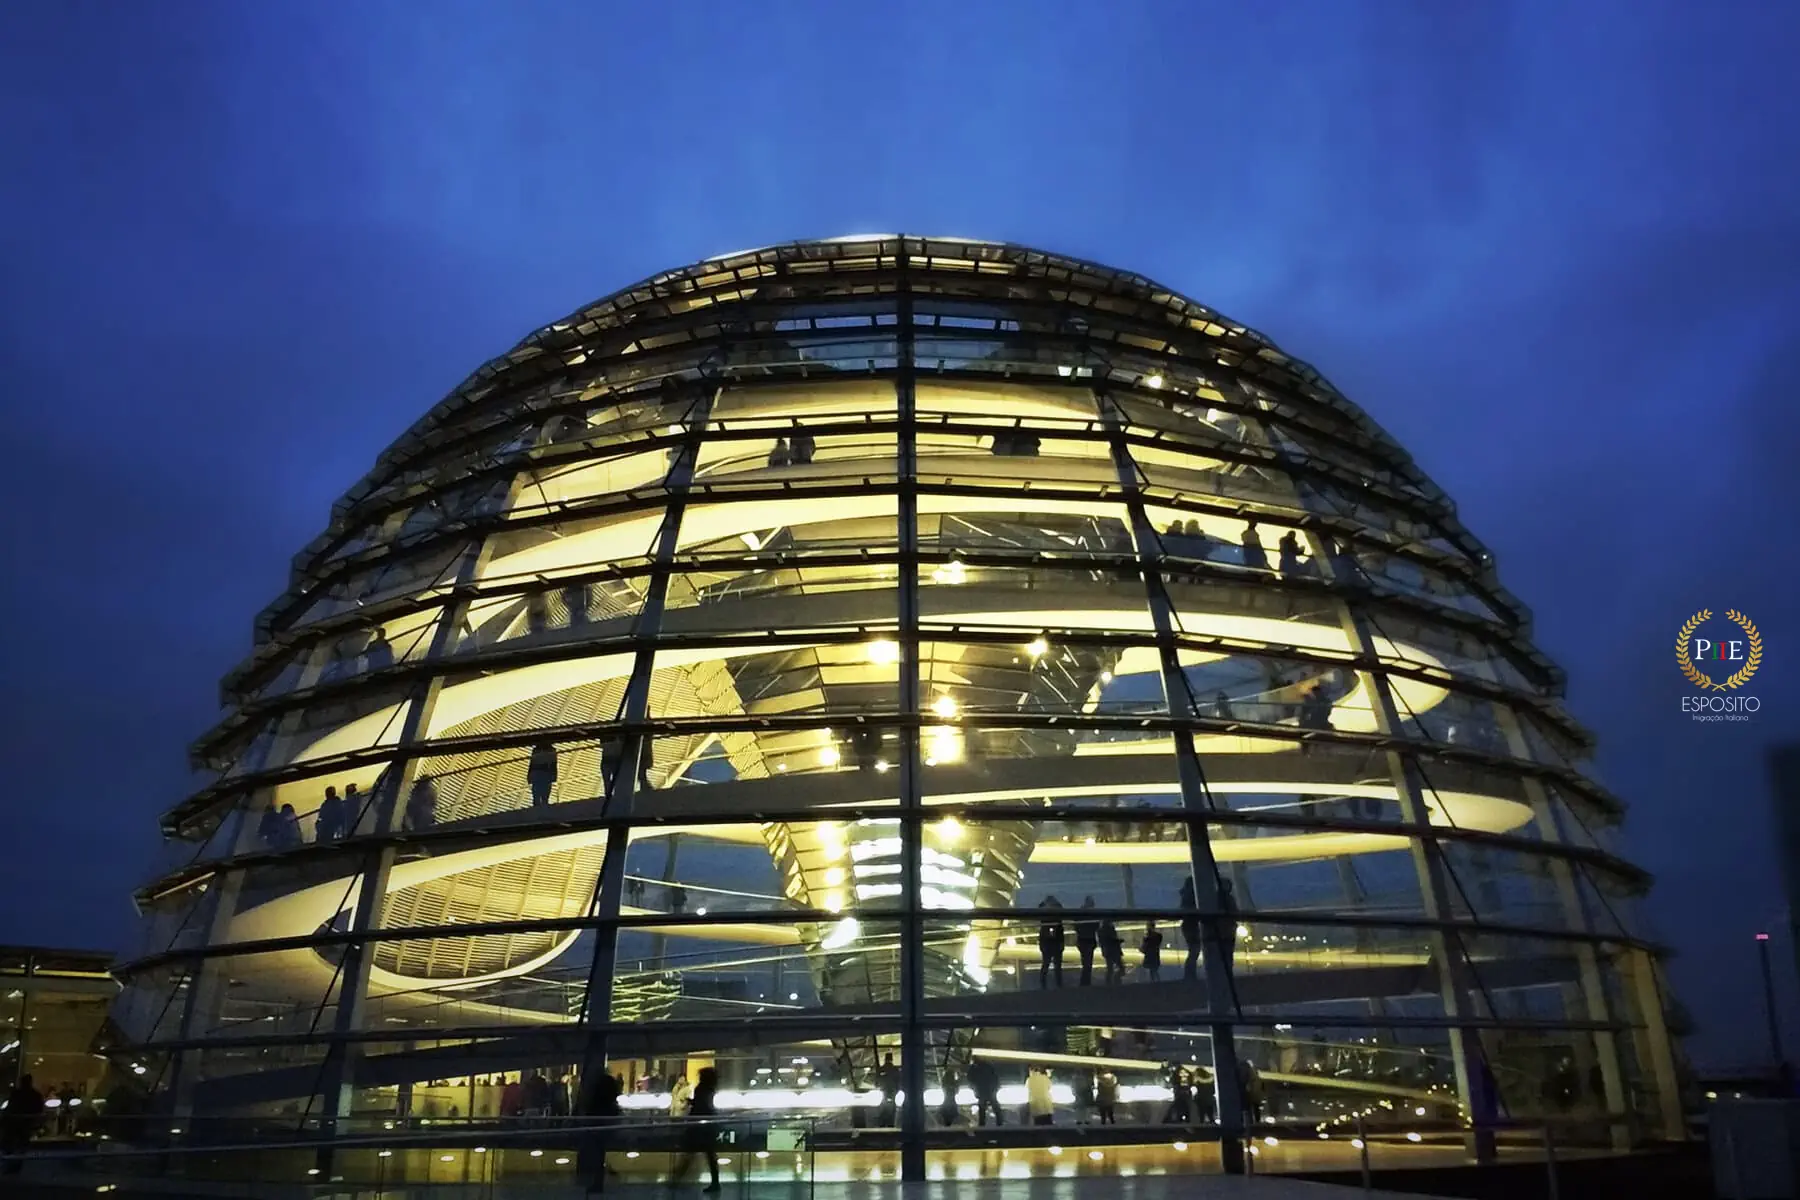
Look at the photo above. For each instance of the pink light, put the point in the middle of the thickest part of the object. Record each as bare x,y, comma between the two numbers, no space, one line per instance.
1762,937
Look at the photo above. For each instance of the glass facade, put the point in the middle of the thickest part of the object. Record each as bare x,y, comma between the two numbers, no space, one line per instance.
888,665
53,1009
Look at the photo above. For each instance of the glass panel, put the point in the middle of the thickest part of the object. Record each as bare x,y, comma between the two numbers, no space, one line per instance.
148,1009
1045,407
371,646
409,574
1135,1072
176,918
525,981
497,881
1041,674
950,455
260,995
578,610
1056,767
795,457
1044,529
1192,421
1258,545
564,485
1513,887
814,402
704,868
791,680
525,699
546,551
787,597
1034,598
836,524
744,772
1439,648
697,970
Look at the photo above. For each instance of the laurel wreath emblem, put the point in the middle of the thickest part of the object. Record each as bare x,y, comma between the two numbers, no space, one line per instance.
1698,678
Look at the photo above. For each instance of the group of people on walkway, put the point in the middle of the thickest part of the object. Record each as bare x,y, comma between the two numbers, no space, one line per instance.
1101,934
1096,1096
339,816
1188,539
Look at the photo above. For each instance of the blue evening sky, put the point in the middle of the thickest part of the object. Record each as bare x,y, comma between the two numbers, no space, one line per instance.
1553,247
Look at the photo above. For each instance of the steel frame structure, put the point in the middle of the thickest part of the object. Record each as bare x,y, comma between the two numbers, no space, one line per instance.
1003,603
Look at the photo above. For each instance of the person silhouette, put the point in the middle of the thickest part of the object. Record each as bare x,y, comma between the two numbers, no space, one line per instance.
1087,939
1050,944
1254,556
1190,929
1151,949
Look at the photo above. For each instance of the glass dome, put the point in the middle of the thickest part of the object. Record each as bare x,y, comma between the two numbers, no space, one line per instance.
905,651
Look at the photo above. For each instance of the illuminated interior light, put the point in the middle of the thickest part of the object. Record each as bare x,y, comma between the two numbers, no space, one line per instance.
886,847
834,876
884,652
1181,1146
949,831
936,874
1037,648
830,756
1065,371
1154,381
944,706
946,744
934,897
841,934
974,960
1106,677
1413,1137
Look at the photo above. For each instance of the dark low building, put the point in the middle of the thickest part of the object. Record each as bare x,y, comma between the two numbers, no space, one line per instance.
53,1005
